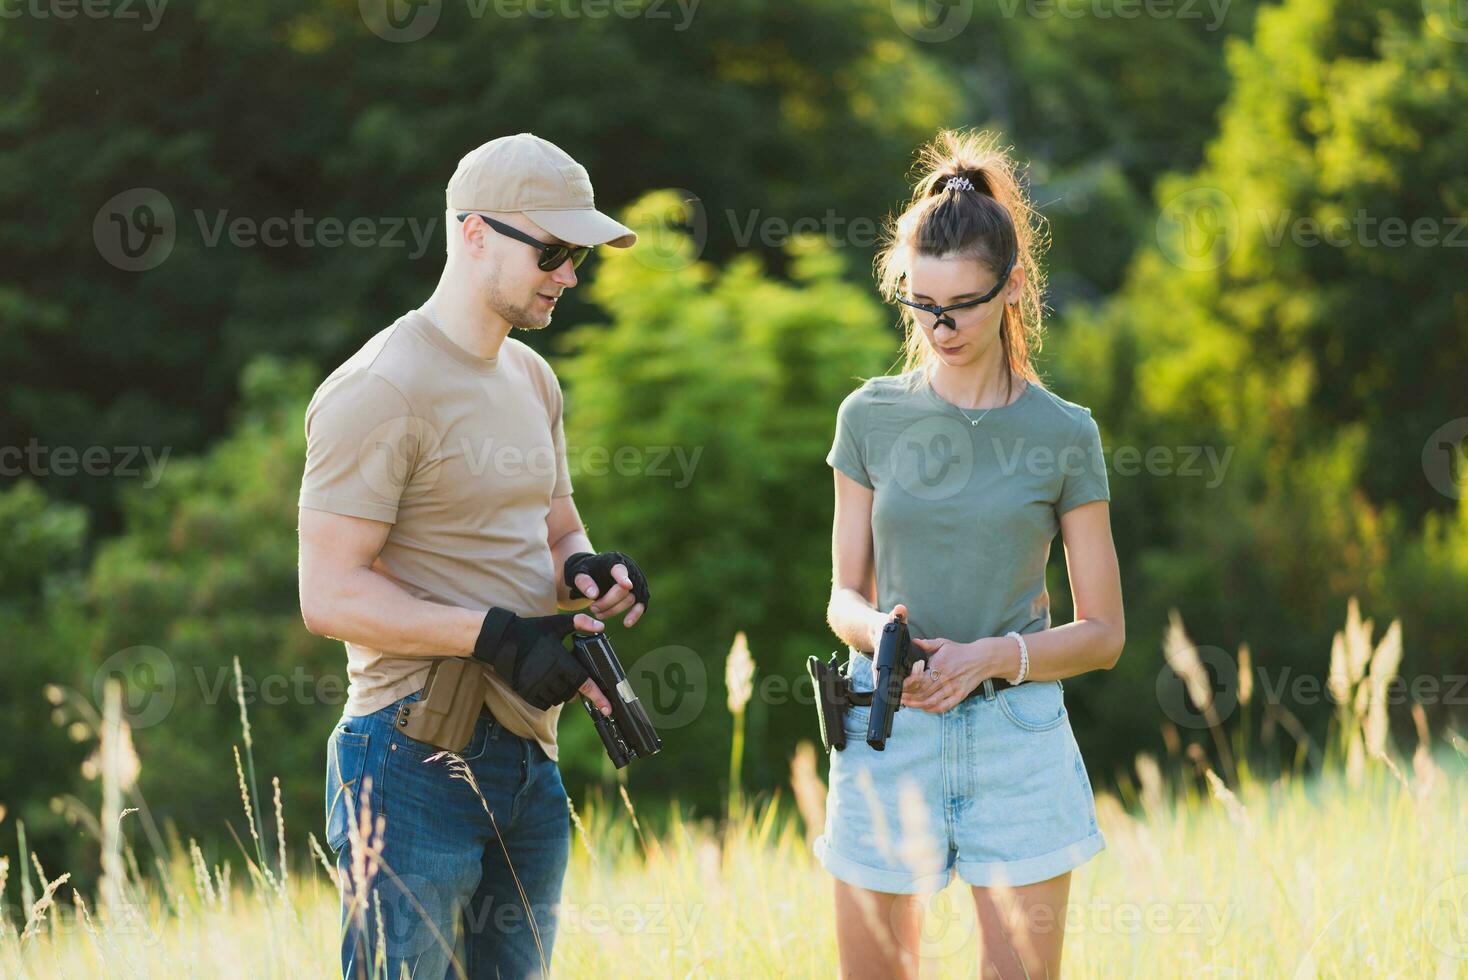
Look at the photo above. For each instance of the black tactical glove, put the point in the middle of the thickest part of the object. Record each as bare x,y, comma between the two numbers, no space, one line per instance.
599,567
529,653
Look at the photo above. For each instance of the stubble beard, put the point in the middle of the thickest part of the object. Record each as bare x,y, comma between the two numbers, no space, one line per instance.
518,316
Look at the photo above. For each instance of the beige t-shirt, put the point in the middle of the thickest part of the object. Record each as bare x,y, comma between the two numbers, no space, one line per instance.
462,456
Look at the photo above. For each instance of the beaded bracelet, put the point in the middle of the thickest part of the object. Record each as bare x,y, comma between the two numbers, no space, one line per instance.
1024,658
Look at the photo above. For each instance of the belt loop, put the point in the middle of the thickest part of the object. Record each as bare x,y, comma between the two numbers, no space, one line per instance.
989,694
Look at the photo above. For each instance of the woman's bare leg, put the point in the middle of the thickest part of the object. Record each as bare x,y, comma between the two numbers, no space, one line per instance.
1022,929
878,933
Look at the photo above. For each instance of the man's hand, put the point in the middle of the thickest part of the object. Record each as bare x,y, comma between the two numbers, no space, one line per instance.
612,580
589,690
530,654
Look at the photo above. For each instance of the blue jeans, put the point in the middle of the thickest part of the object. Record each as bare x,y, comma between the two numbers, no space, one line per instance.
458,889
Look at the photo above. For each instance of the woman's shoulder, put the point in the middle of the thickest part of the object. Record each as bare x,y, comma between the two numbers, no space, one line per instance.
884,389
1054,402
1059,414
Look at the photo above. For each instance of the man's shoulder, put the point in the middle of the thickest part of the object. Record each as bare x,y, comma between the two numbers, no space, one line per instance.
534,368
366,370
520,352
395,358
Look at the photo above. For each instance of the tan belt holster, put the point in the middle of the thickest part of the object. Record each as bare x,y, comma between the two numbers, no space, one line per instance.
452,698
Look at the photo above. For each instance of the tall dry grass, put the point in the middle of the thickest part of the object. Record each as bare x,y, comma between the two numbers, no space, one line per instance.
1360,870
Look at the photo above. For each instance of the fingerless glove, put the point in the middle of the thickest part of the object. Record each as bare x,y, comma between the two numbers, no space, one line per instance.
529,653
599,567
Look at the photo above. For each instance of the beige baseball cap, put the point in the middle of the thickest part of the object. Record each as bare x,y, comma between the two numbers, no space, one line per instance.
535,177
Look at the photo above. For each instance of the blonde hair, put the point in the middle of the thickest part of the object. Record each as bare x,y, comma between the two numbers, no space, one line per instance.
985,214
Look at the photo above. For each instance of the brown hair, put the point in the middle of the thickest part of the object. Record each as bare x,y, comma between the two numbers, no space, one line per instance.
989,223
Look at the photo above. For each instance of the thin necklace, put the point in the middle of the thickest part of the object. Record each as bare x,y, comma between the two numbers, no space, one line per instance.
973,422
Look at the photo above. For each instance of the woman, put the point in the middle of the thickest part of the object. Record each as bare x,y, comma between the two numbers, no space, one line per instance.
951,481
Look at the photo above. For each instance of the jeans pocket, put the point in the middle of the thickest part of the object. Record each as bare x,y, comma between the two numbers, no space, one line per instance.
346,760
1037,706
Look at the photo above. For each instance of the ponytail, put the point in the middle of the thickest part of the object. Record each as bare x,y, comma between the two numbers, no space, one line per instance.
969,203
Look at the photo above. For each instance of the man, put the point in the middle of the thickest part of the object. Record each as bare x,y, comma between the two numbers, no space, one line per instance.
436,520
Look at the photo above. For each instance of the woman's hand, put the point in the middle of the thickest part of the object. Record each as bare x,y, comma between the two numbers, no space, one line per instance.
879,623
953,671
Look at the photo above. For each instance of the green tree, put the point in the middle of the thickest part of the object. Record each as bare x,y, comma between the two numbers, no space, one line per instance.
1102,99
741,374
42,560
204,572
1324,365
299,113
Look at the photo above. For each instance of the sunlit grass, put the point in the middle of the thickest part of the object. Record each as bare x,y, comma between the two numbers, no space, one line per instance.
1360,871
1332,882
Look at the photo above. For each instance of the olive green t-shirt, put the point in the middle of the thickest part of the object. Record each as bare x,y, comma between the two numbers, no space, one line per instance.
963,515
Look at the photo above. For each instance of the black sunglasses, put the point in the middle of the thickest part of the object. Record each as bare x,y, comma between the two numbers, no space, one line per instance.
940,313
551,256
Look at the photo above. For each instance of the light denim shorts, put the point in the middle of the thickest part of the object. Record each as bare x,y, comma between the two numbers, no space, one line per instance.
994,789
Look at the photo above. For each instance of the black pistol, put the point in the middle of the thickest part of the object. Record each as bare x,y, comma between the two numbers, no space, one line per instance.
627,733
892,665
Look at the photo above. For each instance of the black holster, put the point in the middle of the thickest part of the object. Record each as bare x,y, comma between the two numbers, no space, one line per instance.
833,696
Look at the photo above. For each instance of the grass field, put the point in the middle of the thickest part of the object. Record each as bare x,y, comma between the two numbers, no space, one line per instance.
1359,871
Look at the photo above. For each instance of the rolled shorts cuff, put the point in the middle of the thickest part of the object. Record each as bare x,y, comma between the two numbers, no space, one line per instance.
865,876
1027,871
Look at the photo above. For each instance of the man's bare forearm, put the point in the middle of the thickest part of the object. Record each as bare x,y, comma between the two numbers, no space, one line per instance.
369,609
571,543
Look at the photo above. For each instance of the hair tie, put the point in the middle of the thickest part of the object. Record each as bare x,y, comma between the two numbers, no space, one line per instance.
959,183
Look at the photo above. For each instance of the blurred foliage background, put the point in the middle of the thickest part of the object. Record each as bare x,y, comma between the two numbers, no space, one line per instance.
1326,378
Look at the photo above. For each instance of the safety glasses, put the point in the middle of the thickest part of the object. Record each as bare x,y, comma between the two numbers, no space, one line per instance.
940,313
551,256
